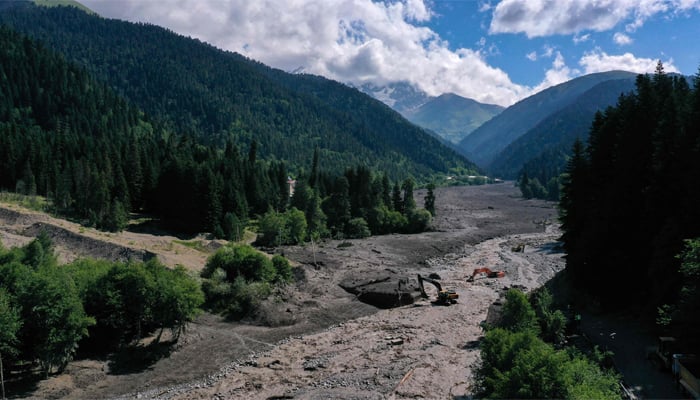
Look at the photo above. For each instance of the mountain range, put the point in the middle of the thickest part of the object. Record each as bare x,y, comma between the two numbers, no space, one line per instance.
502,141
558,131
485,143
216,95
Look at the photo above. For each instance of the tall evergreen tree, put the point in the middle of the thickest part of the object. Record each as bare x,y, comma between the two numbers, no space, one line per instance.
408,202
430,199
626,204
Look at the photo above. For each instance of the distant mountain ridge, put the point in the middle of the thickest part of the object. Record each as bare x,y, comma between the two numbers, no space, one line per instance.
484,144
216,95
401,96
556,133
452,117
59,3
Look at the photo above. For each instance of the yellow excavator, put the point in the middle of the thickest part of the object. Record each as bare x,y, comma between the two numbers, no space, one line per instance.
444,297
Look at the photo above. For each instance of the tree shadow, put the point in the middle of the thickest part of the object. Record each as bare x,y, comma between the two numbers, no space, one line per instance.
22,384
153,226
135,359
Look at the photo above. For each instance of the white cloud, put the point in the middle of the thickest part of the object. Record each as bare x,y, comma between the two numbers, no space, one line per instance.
582,38
417,11
532,56
485,6
354,41
553,17
548,51
600,61
558,73
622,39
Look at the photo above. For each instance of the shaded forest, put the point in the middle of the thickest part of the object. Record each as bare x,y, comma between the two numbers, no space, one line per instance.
630,196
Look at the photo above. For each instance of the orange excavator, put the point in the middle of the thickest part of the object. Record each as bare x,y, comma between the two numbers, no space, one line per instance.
444,297
487,272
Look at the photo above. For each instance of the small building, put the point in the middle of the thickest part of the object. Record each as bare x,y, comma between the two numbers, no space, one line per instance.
292,183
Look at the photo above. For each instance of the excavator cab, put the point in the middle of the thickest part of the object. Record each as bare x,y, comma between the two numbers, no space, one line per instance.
444,297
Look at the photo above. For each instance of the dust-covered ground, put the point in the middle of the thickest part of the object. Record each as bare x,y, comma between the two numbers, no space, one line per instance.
314,339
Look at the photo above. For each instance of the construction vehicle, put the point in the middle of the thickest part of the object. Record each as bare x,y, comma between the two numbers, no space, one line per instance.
487,272
444,297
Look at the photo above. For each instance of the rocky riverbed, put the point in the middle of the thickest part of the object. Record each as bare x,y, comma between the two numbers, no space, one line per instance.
316,338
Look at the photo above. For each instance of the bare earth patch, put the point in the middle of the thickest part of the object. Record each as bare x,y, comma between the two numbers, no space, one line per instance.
314,339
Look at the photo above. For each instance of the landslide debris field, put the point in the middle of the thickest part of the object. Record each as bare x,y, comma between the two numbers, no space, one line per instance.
319,338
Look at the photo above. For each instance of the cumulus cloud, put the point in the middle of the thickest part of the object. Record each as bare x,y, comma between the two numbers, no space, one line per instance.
622,39
537,18
600,61
532,56
558,73
355,41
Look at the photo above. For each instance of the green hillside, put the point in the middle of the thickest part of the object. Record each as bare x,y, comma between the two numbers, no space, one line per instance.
71,139
485,143
96,158
559,130
217,96
452,117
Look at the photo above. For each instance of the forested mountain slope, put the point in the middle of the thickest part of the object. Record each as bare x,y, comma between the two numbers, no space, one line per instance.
484,144
452,117
557,132
216,96
96,157
630,200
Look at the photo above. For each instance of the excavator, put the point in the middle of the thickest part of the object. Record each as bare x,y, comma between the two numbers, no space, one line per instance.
444,297
487,272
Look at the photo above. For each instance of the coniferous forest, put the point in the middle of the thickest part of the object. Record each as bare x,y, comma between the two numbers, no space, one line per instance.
96,157
630,200
218,97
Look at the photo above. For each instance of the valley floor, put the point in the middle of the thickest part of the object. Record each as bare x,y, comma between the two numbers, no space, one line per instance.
315,340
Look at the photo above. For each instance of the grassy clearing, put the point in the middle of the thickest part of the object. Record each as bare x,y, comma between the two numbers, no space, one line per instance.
36,203
193,244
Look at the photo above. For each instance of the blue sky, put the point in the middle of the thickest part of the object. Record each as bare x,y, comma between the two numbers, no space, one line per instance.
668,36
494,51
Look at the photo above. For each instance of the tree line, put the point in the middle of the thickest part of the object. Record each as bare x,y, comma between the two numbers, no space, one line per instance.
49,310
354,205
630,194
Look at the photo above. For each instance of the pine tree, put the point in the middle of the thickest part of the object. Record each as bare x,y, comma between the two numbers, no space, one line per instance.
396,201
430,199
408,202
573,207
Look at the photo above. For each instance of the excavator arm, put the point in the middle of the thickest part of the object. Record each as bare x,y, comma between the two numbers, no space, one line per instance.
445,297
422,289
